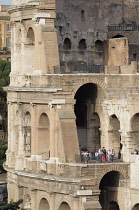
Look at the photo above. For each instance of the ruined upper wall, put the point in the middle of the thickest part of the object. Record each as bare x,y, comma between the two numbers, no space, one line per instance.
116,52
34,38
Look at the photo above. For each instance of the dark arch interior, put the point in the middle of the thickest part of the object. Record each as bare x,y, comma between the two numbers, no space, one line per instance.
108,189
114,116
82,45
136,207
86,93
30,35
99,45
110,179
118,36
67,44
113,205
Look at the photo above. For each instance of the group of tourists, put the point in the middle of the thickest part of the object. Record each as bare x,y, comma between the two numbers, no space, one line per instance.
100,156
104,155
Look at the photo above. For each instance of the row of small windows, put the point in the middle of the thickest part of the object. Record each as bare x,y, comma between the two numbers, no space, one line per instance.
67,45
82,45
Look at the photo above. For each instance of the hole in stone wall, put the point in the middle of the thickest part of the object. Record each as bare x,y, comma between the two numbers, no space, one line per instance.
67,44
82,44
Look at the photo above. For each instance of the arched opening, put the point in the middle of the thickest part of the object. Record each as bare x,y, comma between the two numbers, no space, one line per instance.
29,50
82,44
114,135
67,44
113,206
64,206
98,53
99,46
135,132
27,204
44,137
118,36
136,207
109,185
30,36
87,119
27,134
44,205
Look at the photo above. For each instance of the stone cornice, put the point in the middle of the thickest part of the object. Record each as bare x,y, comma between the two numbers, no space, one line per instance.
20,8
28,6
24,89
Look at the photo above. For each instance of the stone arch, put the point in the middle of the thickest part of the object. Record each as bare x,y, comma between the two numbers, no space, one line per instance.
123,171
114,134
98,82
98,52
98,46
111,178
135,132
135,207
81,36
114,34
29,51
67,44
82,44
44,136
31,35
64,206
44,204
87,119
108,186
27,202
27,134
117,36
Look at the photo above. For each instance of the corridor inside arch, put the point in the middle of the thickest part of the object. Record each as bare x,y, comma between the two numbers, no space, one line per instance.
87,118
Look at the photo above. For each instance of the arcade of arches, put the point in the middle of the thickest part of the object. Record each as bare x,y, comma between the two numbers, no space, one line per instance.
44,205
87,119
87,110
89,116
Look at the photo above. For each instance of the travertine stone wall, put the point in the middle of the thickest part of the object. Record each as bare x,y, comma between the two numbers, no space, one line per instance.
116,54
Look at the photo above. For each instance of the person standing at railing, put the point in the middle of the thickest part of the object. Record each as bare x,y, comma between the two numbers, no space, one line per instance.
96,156
109,155
112,155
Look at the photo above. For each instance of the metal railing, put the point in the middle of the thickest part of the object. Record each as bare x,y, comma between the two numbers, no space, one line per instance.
79,68
123,28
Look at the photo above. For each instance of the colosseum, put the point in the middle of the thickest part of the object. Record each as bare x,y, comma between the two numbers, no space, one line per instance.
74,86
